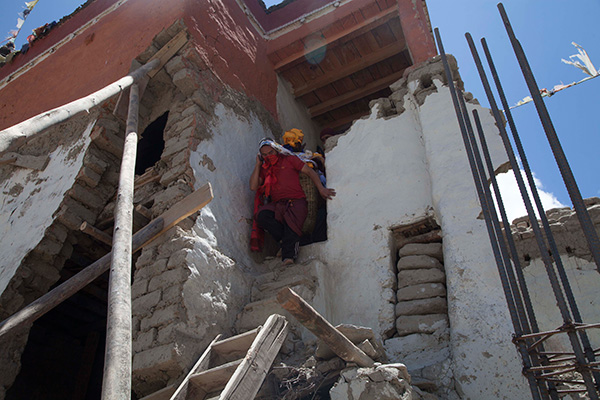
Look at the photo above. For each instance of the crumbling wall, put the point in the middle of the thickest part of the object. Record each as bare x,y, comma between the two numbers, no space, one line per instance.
404,163
579,266
483,356
191,283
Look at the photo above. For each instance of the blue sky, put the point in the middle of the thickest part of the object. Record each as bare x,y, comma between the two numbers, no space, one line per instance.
545,28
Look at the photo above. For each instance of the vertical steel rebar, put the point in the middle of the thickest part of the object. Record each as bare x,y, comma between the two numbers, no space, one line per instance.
589,352
530,324
117,365
535,390
561,159
558,293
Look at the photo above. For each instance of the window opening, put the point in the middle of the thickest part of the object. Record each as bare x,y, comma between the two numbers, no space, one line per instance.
151,145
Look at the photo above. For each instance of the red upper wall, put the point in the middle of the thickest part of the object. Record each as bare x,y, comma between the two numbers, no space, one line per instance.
220,31
102,54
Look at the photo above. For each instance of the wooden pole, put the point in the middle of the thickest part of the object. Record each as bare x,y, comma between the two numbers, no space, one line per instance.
117,361
155,228
96,233
68,288
314,322
14,136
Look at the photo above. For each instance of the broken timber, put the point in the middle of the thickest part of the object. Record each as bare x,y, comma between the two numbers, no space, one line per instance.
322,329
155,228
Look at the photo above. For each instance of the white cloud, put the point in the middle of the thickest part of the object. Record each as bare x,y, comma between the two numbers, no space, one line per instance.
511,196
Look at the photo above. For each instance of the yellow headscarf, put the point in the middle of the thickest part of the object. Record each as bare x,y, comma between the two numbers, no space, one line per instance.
293,137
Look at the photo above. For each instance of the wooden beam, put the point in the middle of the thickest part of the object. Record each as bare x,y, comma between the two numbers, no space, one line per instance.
168,51
249,376
318,325
183,209
96,233
338,123
353,95
348,69
357,30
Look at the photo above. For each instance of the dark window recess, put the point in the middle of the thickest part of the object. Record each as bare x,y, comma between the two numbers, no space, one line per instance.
151,145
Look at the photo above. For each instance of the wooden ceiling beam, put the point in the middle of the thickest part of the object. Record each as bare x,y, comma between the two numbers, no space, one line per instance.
349,97
348,69
339,123
357,30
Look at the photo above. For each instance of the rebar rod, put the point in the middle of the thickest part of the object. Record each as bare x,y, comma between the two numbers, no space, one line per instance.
534,387
558,293
580,209
545,223
117,365
561,159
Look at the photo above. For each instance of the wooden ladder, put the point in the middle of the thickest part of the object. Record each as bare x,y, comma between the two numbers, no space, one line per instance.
232,368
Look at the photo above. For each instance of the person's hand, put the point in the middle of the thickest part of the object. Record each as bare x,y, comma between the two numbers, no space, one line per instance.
259,161
327,193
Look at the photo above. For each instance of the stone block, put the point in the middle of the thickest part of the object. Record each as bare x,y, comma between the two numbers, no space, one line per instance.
172,294
176,172
143,305
409,277
175,145
187,81
418,350
168,278
421,291
408,324
139,288
89,177
160,317
166,334
143,340
423,249
436,305
175,65
155,357
417,262
86,196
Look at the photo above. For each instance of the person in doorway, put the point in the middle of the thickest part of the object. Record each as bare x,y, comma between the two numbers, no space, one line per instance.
280,205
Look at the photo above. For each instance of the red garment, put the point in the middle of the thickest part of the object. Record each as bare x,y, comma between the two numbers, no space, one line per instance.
286,182
281,180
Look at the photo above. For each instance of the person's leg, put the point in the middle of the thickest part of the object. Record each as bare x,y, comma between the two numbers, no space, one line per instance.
266,220
289,244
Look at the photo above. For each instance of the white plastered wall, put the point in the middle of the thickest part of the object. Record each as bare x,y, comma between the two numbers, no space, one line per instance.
292,114
226,221
396,171
584,280
30,198
485,363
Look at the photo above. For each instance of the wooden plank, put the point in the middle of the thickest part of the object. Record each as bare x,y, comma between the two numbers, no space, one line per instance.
249,376
168,51
155,228
348,69
215,378
349,97
318,325
345,35
162,394
229,347
203,363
